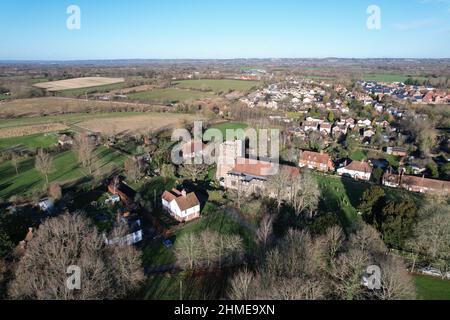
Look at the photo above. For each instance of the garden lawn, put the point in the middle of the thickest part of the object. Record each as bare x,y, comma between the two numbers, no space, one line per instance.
65,169
29,142
184,286
341,196
359,155
217,220
229,126
430,288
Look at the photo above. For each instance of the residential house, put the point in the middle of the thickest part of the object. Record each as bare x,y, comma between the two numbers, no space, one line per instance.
325,128
314,160
310,126
416,184
135,232
358,170
65,140
125,192
182,206
369,133
338,131
365,123
397,151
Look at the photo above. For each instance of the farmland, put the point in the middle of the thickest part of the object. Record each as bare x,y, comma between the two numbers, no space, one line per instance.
389,77
30,130
218,86
169,95
78,83
24,131
91,90
57,105
136,123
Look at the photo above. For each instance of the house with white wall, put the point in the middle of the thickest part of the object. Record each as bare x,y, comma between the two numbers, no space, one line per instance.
358,170
182,206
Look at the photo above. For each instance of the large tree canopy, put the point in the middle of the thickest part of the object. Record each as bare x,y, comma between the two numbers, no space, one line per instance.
107,272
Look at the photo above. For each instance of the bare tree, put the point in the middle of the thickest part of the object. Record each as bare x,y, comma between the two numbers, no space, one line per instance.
277,187
241,286
307,194
187,251
265,230
15,162
432,235
43,164
193,172
85,151
133,170
327,267
55,191
396,283
208,248
167,171
334,240
71,240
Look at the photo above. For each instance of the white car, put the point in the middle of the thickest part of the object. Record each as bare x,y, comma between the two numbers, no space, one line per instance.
429,271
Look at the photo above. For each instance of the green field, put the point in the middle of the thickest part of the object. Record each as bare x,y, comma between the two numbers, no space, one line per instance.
3,97
229,126
90,90
65,169
218,85
29,142
317,77
170,95
389,77
430,288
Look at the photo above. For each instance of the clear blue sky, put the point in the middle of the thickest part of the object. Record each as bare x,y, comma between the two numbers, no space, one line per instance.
114,29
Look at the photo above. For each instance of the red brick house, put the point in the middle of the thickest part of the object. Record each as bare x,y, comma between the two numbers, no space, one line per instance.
125,192
416,184
317,161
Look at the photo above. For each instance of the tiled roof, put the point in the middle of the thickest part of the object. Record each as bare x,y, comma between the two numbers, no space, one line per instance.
315,157
259,168
187,202
359,166
183,202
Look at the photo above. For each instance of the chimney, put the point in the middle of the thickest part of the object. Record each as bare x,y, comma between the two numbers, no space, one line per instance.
183,193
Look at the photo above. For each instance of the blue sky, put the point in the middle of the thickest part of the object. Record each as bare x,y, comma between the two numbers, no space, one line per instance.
36,30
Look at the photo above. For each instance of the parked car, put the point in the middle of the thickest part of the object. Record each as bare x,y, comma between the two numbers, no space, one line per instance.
167,243
430,271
